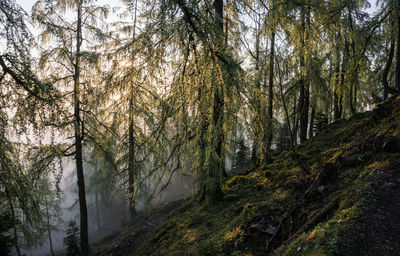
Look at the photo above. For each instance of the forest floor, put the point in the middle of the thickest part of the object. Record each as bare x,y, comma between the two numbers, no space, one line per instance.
127,240
338,194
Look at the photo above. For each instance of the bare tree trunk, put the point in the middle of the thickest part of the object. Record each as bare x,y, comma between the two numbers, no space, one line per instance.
295,119
48,227
98,221
257,100
351,97
342,79
304,99
15,232
398,48
270,97
131,161
386,88
354,67
254,147
292,137
311,129
131,153
78,136
336,114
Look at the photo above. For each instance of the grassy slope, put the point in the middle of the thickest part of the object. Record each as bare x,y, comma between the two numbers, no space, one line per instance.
318,225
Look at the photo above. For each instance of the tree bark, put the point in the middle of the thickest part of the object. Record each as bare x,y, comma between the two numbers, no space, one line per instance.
48,227
304,100
286,110
15,232
78,136
342,79
295,119
131,161
96,198
215,191
336,114
386,88
311,129
131,153
270,97
257,100
398,48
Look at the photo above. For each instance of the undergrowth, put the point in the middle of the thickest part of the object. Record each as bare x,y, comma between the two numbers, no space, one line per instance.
309,226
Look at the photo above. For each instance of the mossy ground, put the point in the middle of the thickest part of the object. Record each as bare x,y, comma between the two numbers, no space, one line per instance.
277,190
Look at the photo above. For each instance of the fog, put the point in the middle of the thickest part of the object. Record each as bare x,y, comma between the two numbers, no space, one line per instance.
111,208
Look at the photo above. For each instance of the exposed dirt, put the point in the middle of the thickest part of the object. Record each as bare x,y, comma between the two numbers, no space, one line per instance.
127,242
376,232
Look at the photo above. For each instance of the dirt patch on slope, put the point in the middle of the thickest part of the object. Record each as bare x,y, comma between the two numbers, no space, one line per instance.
376,231
128,241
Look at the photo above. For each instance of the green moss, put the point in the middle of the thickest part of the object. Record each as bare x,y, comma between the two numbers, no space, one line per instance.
216,229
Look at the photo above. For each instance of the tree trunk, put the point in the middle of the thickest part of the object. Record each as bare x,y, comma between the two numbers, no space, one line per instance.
78,137
254,146
398,48
15,232
304,92
257,101
354,66
386,88
304,99
336,114
342,79
270,98
219,19
295,119
96,198
216,172
311,129
131,161
48,227
351,97
286,110
335,106
131,153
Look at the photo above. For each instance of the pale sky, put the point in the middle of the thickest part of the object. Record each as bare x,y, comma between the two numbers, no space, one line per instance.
27,4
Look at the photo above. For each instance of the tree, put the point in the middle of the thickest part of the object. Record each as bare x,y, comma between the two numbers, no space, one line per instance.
71,241
397,10
67,57
214,68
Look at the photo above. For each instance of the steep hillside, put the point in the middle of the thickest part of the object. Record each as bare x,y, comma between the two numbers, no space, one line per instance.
337,195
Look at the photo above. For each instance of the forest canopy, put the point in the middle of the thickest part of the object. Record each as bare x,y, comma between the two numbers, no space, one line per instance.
137,92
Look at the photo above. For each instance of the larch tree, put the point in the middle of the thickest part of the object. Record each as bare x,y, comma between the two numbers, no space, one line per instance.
68,52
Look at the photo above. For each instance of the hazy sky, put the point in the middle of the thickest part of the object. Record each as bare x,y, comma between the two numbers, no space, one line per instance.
27,4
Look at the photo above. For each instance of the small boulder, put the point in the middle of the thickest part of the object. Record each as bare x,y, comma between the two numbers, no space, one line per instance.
325,176
390,144
321,189
265,224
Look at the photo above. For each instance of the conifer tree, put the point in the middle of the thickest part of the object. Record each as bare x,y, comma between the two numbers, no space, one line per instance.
66,55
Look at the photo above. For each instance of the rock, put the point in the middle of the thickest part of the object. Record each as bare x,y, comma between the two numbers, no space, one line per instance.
326,175
265,225
390,144
321,189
